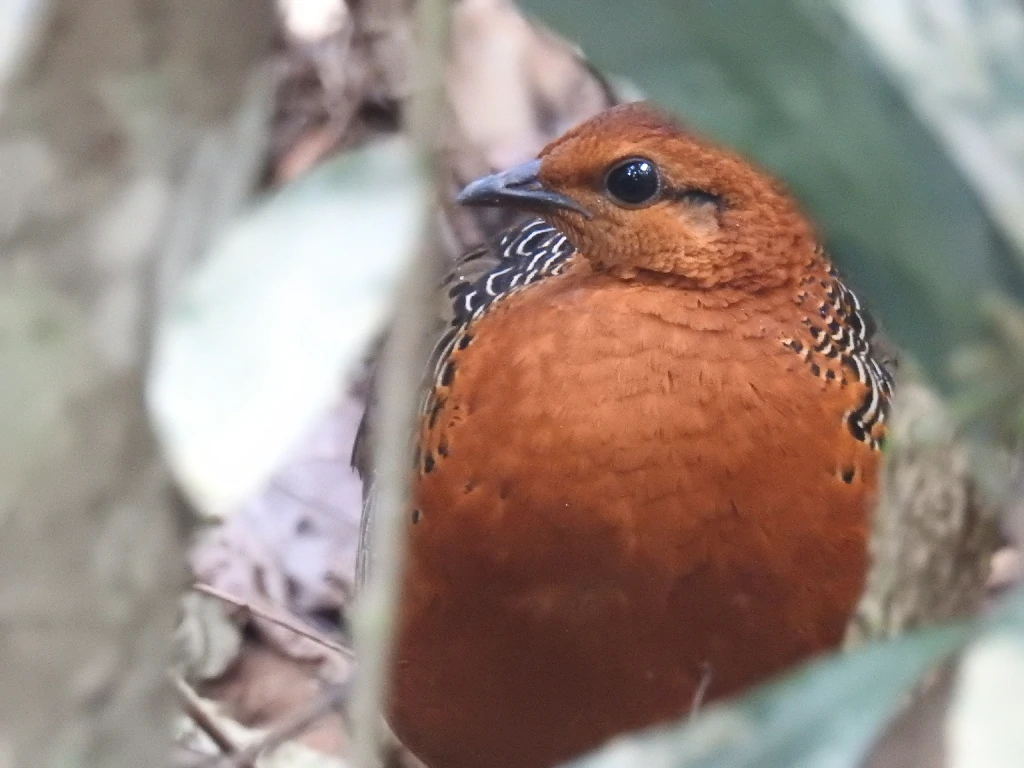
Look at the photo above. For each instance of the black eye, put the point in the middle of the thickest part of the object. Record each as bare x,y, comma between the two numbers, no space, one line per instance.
633,182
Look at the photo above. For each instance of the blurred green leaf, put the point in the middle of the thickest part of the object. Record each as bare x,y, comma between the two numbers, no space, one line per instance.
986,712
991,373
255,346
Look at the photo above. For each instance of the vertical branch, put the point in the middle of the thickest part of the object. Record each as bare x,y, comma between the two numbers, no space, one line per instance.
401,368
100,131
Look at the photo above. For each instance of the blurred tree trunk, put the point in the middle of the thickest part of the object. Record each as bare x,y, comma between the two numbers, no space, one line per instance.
122,147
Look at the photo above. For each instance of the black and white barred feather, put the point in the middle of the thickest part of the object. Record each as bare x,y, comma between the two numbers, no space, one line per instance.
523,256
845,345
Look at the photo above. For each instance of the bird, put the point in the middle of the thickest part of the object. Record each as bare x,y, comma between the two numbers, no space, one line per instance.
646,455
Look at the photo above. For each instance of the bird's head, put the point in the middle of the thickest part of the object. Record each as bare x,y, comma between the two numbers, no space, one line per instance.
636,194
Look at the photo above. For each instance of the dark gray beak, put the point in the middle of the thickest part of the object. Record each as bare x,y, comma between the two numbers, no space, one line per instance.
518,187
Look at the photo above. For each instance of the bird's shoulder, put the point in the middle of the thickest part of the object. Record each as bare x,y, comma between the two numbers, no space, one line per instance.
841,341
512,259
516,258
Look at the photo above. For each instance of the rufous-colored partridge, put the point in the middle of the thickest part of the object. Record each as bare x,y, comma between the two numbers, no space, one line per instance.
648,453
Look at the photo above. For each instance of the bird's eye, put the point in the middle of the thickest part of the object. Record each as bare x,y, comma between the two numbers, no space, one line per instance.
633,182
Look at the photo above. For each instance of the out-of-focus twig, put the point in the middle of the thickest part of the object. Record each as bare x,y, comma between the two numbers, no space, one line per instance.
332,700
193,708
402,363
272,616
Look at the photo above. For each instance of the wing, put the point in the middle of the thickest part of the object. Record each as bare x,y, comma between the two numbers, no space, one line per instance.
871,357
844,341
515,259
521,256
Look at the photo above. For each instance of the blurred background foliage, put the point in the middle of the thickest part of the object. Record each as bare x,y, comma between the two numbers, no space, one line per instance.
792,84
